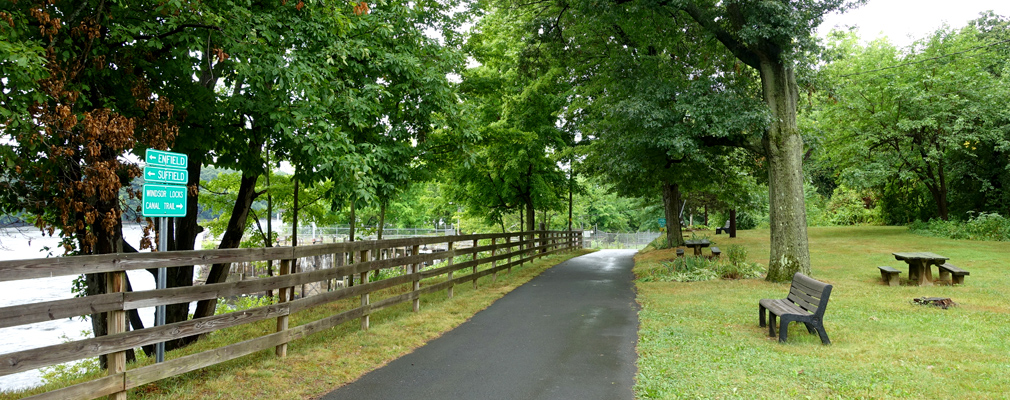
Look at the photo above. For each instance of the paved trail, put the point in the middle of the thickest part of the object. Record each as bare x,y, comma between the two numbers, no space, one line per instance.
570,333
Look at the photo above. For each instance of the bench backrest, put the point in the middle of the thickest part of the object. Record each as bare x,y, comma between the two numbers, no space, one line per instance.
809,294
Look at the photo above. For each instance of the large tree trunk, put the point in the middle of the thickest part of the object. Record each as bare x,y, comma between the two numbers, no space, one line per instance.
671,208
784,149
937,186
231,239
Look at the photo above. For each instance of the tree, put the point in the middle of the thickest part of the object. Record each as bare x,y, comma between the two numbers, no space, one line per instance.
772,37
658,117
70,120
516,98
931,104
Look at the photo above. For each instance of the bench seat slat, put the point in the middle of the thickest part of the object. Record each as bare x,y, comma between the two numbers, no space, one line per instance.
803,299
954,270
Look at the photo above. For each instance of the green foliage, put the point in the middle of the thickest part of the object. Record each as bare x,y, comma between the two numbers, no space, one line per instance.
983,226
918,125
848,207
736,254
240,303
694,269
73,370
515,97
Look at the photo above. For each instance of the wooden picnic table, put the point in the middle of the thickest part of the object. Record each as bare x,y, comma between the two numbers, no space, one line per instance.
919,265
697,245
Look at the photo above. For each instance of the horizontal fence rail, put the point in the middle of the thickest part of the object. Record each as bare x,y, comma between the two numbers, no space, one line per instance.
348,276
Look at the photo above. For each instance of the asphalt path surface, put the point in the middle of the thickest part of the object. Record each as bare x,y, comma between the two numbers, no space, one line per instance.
569,333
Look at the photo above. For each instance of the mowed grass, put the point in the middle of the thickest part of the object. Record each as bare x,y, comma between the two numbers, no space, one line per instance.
327,360
702,340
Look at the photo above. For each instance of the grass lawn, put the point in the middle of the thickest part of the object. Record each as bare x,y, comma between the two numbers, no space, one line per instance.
702,340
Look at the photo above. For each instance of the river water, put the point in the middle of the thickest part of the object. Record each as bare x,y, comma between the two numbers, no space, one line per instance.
29,242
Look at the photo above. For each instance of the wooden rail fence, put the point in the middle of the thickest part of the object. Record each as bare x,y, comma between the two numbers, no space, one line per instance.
501,251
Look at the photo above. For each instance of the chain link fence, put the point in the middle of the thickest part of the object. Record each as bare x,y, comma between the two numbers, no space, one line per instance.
611,240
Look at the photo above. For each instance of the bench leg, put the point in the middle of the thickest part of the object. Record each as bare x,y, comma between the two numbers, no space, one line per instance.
810,328
958,280
945,275
784,328
771,324
821,332
761,316
889,278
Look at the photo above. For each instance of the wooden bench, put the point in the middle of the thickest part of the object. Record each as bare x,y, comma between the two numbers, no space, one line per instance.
724,228
889,275
946,270
805,303
715,252
680,252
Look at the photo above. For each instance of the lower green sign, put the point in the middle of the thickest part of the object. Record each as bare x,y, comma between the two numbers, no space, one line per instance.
164,201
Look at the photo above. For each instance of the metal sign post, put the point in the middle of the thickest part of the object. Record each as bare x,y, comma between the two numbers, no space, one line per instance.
159,319
165,200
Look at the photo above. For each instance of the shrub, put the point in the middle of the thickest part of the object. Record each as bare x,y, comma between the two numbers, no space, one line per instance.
736,254
694,269
241,303
984,226
849,207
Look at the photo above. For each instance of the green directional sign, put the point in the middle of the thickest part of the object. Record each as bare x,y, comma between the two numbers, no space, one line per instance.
164,201
662,222
158,158
173,176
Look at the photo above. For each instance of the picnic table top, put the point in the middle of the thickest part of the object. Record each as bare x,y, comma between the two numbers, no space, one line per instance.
919,256
699,242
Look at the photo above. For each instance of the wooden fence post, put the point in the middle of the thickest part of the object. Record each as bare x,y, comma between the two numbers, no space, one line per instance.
116,321
415,269
364,257
474,270
542,244
338,261
282,322
452,254
494,263
508,248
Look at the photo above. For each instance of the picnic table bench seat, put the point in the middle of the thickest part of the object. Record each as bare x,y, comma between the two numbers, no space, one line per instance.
715,252
805,303
889,275
947,270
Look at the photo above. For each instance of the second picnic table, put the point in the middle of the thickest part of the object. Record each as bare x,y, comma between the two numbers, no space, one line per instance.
919,265
697,245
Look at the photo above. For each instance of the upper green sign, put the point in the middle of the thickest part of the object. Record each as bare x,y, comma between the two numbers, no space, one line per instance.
158,158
